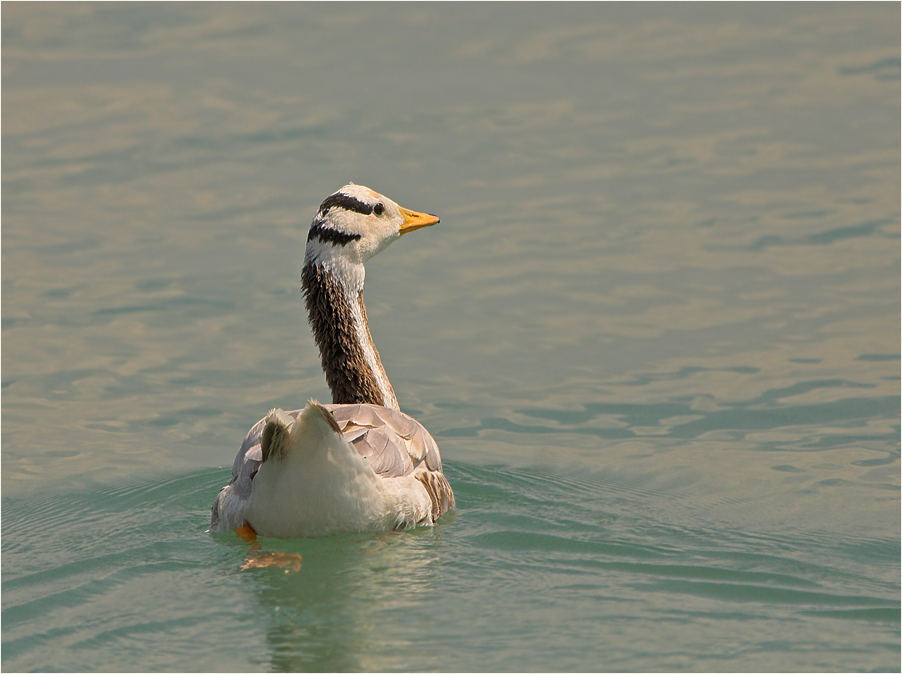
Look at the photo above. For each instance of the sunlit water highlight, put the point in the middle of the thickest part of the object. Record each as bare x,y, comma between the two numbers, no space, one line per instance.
656,334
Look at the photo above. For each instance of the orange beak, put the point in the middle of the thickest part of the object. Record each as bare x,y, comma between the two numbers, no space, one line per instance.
414,220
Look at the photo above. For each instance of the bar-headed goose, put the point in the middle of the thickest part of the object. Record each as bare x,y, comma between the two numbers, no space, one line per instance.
359,464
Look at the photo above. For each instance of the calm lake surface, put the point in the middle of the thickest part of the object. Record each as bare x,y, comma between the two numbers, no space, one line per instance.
656,334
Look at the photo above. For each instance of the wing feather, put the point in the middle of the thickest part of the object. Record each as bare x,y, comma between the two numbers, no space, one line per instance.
394,444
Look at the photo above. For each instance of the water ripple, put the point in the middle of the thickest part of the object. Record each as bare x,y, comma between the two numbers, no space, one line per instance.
573,540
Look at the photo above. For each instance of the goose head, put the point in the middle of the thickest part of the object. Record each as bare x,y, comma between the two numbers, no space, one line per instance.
355,223
349,228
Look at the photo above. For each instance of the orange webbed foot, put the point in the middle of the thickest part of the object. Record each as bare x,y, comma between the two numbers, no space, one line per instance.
282,560
246,531
260,559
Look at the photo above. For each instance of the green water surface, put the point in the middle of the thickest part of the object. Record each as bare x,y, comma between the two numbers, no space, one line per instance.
656,334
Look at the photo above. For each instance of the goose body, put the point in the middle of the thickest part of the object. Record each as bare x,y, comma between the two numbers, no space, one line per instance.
358,464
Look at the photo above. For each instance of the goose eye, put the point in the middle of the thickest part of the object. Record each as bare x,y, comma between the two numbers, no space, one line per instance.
378,209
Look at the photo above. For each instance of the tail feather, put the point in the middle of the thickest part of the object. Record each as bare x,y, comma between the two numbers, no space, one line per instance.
276,433
281,428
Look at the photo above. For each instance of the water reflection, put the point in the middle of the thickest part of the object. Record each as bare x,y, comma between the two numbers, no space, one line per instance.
352,599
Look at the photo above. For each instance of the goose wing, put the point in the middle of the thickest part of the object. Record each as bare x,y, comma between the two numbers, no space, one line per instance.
232,500
396,445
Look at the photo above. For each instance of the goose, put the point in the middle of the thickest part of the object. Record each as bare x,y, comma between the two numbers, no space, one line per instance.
359,463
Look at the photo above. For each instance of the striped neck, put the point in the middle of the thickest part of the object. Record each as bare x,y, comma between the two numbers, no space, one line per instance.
334,297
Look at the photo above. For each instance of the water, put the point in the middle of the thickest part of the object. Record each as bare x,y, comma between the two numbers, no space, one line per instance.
656,334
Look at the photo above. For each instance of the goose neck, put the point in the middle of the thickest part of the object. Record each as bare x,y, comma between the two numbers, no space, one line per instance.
334,298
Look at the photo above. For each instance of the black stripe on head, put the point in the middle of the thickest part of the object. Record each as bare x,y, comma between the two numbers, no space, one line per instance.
339,200
319,231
